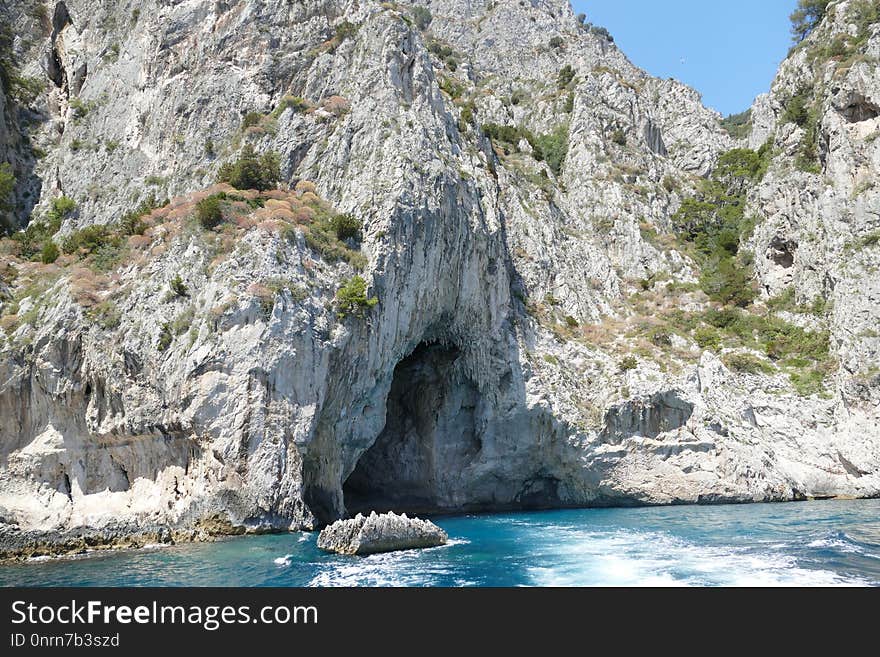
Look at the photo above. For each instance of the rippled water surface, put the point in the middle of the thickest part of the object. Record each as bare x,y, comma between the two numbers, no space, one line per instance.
809,544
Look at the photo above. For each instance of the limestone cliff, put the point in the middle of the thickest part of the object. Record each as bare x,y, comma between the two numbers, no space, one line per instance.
535,330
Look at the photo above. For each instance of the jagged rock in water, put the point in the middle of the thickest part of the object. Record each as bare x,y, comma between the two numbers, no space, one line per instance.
380,533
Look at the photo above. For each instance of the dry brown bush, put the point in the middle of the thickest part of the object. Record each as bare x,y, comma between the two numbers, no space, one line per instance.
336,105
304,216
87,287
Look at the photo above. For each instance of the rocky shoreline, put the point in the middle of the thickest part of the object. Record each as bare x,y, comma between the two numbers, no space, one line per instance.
17,546
20,545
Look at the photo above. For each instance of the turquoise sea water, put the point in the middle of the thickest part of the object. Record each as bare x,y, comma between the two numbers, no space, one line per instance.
806,544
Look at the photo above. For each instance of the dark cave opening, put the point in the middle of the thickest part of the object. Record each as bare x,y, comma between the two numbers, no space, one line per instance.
860,109
782,252
429,438
54,66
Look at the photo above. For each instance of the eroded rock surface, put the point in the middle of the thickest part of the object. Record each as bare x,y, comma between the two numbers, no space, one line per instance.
380,533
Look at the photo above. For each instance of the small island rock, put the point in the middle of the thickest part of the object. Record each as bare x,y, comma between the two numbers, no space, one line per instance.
380,533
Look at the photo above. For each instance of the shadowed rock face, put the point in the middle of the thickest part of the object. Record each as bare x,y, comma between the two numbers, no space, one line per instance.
488,374
654,139
663,413
429,437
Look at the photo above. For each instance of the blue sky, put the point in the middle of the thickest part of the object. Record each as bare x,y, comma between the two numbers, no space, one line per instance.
728,51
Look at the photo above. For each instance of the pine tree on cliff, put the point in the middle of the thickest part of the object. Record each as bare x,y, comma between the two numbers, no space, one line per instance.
806,18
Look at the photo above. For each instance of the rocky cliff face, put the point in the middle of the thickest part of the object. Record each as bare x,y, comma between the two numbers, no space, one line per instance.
819,203
542,335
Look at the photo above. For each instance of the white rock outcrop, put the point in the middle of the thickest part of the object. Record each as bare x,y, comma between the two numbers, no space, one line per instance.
373,534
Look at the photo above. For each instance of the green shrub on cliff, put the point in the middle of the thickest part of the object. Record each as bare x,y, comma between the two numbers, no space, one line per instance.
627,364
250,120
602,32
88,239
251,171
62,207
209,211
503,133
166,337
565,77
7,185
132,222
747,363
796,107
178,287
345,226
713,224
552,147
352,299
19,88
345,30
802,110
49,253
422,17
295,103
31,240
739,166
326,236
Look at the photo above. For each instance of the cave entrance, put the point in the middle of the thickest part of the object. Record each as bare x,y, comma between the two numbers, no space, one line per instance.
860,109
782,251
417,463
